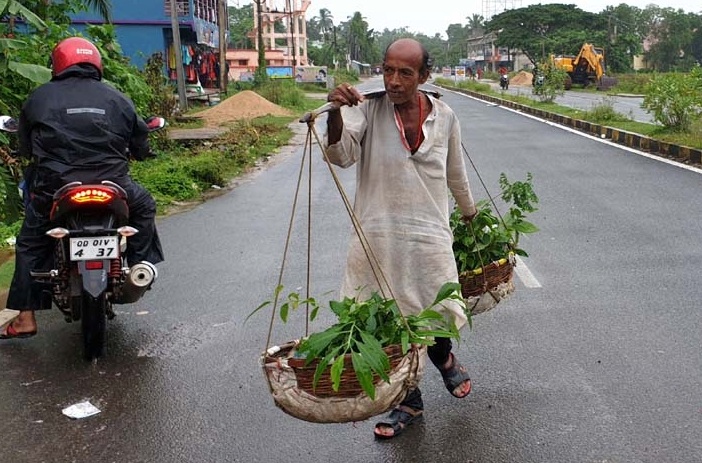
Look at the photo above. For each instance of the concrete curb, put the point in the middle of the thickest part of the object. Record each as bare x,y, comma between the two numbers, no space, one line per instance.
682,154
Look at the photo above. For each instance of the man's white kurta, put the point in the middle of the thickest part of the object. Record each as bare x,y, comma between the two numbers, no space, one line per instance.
402,202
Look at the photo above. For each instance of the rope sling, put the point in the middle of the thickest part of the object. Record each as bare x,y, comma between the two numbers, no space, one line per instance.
283,379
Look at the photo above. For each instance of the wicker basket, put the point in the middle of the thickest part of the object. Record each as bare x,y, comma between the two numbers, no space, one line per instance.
290,384
349,385
479,281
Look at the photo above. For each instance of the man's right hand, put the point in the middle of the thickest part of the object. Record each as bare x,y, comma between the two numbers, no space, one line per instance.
344,94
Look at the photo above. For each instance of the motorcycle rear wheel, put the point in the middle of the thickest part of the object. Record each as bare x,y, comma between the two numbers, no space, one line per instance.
93,325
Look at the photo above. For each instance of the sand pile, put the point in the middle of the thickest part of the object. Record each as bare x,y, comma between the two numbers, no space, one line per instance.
243,105
521,78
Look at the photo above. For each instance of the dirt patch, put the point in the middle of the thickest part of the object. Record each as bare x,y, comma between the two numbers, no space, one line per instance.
521,78
243,105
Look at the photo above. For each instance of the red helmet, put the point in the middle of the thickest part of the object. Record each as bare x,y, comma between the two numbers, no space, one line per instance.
74,50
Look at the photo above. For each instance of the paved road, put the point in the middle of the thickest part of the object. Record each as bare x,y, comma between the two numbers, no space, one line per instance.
600,363
628,105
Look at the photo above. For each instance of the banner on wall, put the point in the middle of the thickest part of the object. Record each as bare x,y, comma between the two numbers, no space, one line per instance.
311,74
460,73
279,72
206,33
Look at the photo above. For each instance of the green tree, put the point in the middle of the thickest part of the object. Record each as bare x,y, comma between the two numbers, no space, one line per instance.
241,23
626,33
475,26
359,39
539,30
672,35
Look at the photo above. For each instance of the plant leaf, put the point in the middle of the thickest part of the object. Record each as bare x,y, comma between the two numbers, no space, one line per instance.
374,355
256,310
16,8
446,290
336,369
322,366
34,72
363,374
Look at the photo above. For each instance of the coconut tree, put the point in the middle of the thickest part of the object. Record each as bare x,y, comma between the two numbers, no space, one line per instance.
325,20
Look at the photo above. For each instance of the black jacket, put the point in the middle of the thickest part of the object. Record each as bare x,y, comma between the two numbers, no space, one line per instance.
76,127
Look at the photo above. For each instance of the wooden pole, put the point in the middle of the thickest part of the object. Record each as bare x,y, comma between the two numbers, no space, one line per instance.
180,73
223,23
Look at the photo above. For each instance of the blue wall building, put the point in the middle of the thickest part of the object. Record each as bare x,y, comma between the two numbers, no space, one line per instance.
143,27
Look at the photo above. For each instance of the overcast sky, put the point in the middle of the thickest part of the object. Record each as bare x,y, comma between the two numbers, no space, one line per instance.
436,15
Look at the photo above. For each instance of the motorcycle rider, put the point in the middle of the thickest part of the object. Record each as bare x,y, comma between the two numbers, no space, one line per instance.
75,128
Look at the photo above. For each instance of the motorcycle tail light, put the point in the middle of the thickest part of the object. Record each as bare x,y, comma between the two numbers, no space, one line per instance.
93,265
91,195
127,231
58,233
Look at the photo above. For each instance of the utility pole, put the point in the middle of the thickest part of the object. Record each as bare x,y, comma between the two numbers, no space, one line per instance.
261,74
180,75
223,23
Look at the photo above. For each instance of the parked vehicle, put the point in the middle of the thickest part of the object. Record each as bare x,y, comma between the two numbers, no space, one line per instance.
586,68
90,274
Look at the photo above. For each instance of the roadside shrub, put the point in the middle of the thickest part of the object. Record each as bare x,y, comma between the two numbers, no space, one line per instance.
604,113
206,168
675,100
553,84
282,92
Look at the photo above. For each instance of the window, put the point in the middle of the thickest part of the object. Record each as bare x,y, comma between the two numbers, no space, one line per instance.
206,10
183,7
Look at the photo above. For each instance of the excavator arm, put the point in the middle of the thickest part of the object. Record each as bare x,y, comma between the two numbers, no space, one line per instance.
593,57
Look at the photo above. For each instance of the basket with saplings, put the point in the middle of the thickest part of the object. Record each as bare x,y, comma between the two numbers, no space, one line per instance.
485,248
361,366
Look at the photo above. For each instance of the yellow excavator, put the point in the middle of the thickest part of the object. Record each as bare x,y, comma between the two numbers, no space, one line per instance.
586,68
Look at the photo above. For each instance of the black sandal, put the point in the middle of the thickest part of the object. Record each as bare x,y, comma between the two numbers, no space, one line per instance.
454,376
409,411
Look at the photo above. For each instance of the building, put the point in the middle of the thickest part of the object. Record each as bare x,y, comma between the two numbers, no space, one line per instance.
144,27
243,62
290,36
482,51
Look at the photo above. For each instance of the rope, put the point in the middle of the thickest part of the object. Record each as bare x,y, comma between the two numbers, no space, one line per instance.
497,211
376,268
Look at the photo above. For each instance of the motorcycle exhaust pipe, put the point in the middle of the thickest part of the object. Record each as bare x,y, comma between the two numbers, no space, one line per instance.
139,280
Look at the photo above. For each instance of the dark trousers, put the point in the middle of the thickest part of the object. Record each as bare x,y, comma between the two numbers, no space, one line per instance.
35,251
438,354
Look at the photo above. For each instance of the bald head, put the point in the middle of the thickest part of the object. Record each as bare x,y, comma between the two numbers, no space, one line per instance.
413,50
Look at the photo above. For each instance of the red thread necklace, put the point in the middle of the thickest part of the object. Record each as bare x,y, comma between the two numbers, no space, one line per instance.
418,141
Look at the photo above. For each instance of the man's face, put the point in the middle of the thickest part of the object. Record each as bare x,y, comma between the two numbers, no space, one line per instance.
401,73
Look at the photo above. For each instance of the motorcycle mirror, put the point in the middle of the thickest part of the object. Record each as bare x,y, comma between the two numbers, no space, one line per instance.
8,124
155,123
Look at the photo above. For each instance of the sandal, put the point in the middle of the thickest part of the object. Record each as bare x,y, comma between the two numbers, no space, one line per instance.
398,420
455,376
12,333
409,411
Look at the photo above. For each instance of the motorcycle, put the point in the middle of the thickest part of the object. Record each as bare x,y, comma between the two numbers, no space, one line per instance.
90,274
538,81
504,81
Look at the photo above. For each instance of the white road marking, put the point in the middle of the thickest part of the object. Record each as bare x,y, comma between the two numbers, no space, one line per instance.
525,275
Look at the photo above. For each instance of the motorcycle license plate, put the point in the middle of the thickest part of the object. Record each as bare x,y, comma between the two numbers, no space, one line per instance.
94,247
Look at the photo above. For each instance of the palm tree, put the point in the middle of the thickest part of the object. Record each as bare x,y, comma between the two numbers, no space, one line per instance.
476,25
326,23
103,7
